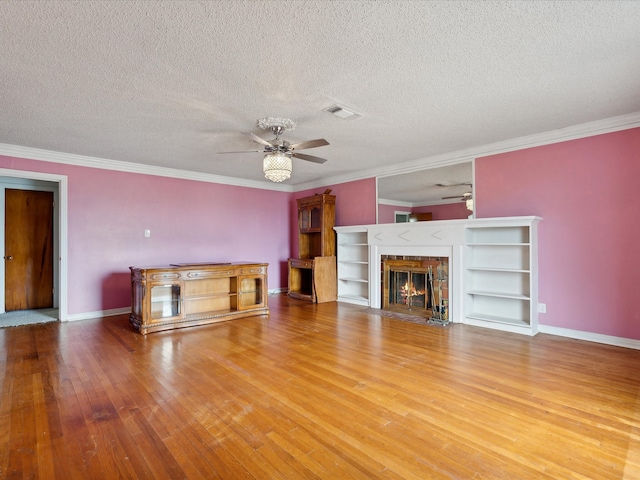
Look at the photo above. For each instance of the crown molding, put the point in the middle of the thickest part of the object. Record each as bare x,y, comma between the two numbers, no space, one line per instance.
437,202
106,164
399,203
591,129
394,203
598,127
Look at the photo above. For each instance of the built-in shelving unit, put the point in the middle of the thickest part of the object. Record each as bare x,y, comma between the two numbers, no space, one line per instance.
353,265
492,266
500,283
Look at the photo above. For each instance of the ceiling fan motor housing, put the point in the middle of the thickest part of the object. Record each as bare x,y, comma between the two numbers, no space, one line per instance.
278,145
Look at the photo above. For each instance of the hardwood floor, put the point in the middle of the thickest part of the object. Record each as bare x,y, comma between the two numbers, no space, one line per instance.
314,391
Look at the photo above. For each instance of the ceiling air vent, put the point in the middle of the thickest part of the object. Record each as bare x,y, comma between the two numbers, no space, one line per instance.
342,112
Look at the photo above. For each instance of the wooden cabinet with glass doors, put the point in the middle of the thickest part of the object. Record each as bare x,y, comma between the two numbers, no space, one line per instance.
185,295
312,276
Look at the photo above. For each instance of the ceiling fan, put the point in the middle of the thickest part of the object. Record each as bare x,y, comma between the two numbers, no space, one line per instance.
463,197
278,152
466,197
465,184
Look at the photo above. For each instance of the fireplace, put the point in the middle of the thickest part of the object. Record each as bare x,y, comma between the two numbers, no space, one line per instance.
416,285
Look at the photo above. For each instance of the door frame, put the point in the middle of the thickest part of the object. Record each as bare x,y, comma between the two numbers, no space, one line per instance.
60,236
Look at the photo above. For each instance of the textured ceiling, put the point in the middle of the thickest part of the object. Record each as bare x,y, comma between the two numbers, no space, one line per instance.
169,84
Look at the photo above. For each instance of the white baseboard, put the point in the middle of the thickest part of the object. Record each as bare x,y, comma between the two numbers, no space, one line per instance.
590,337
275,291
98,314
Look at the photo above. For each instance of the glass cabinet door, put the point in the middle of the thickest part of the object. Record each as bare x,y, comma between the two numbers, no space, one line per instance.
316,217
251,292
311,218
165,301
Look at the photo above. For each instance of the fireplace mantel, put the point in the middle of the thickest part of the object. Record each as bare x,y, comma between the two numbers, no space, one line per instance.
443,238
491,292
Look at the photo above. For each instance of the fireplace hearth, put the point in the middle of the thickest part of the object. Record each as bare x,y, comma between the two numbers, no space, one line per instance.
416,285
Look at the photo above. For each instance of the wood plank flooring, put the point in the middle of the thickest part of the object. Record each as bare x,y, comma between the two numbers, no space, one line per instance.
322,391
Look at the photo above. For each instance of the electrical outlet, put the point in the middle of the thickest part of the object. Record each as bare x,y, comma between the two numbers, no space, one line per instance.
542,308
147,233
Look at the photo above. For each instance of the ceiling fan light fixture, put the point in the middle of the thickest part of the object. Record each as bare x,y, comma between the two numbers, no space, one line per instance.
277,166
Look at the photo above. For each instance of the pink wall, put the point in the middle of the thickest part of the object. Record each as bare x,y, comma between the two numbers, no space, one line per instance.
108,212
587,192
355,205
449,211
355,201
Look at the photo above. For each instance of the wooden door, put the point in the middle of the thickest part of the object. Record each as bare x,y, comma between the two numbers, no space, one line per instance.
28,249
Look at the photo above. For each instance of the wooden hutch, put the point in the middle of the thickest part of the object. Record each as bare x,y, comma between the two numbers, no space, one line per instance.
313,275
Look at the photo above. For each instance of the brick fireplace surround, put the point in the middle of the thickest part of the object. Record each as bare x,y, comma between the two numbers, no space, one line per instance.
416,285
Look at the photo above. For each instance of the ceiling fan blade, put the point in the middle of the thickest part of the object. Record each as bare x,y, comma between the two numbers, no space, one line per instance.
259,140
319,142
467,184
455,196
244,151
309,158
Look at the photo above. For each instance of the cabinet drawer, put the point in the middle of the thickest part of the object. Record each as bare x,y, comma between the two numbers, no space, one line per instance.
165,276
210,273
301,263
253,271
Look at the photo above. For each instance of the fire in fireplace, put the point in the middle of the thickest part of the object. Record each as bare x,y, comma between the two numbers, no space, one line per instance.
417,285
407,288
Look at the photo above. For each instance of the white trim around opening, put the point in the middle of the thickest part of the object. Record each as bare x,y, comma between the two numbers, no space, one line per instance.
62,182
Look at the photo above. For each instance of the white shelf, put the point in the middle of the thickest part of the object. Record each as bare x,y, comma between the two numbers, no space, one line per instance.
494,244
498,294
500,323
354,279
503,270
497,318
355,299
353,265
